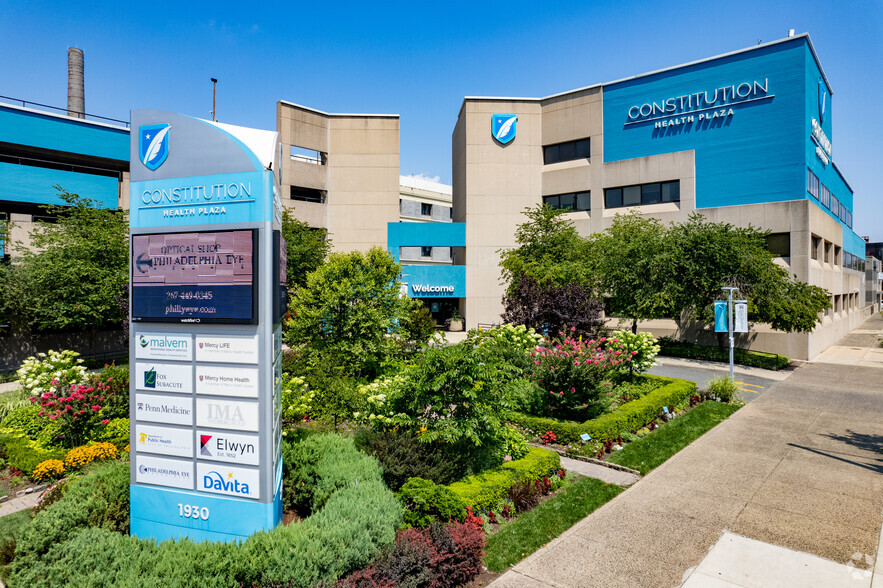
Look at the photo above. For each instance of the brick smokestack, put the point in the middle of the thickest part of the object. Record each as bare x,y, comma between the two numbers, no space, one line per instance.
76,93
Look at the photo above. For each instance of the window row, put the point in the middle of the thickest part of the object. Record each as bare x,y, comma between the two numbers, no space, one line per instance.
853,262
654,193
568,151
571,201
308,194
821,193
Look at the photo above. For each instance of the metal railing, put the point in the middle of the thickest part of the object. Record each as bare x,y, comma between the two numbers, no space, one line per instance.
25,104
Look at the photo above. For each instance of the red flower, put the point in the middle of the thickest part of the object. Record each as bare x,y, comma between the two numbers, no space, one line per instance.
104,421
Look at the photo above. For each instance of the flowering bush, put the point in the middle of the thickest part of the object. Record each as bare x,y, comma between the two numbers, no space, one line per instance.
573,376
49,469
37,373
507,347
297,399
80,456
76,410
642,347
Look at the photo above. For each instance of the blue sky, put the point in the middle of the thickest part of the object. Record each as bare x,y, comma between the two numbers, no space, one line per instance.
420,59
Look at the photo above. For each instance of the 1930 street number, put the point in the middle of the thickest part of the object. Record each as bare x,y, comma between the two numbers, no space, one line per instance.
192,511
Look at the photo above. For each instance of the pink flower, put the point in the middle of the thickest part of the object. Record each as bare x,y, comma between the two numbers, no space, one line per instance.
603,339
52,417
634,352
104,421
561,393
96,408
616,353
572,389
572,329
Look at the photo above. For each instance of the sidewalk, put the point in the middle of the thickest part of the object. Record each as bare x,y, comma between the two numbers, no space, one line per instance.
798,468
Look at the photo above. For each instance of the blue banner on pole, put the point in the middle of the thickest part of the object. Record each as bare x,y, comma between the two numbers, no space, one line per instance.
720,317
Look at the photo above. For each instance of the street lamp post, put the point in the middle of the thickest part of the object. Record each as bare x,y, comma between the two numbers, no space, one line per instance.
730,290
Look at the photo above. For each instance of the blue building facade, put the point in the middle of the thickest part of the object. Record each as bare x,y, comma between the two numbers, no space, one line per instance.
41,150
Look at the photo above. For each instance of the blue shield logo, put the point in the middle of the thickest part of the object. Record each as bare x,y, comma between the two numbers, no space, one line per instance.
153,145
823,99
503,127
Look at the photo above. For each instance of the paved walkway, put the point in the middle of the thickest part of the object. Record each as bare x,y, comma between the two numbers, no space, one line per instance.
605,474
16,504
799,468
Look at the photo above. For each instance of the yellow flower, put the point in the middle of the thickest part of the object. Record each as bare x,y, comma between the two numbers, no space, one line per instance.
50,468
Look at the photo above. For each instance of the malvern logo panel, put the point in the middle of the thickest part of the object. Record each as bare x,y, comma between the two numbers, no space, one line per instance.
163,346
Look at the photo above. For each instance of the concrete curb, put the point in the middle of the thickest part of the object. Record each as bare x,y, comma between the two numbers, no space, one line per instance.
612,466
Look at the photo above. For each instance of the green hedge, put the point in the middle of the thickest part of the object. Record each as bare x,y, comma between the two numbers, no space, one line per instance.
23,453
761,359
490,486
75,542
628,417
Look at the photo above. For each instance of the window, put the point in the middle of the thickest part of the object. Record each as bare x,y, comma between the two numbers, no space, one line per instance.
825,197
653,193
837,260
426,252
308,155
812,184
835,206
571,201
566,151
425,209
450,212
308,194
827,252
779,244
815,250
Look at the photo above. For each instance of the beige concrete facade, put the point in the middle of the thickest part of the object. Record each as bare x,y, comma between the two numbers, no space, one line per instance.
494,183
354,175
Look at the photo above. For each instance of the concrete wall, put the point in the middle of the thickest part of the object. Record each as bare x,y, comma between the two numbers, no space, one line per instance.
359,172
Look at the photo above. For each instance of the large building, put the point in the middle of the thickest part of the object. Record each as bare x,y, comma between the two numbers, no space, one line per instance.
743,138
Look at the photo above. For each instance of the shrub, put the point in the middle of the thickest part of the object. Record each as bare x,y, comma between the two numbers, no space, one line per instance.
761,359
25,419
642,347
10,401
723,388
114,431
75,409
113,380
507,345
548,308
318,466
37,373
297,399
515,447
570,374
486,489
628,417
416,325
49,469
441,555
402,455
78,542
23,453
425,502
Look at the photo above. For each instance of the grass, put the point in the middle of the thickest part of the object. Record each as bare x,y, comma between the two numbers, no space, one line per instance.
649,452
528,532
9,401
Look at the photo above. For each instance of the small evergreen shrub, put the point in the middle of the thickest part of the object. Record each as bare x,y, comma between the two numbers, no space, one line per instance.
402,455
25,419
486,489
425,502
23,453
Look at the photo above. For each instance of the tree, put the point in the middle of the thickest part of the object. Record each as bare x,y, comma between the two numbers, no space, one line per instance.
626,261
76,270
549,251
307,248
346,309
549,309
704,256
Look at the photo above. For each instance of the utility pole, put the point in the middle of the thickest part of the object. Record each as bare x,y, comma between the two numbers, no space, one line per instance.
214,95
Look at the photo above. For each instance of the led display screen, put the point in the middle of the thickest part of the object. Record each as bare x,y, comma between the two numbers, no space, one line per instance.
205,277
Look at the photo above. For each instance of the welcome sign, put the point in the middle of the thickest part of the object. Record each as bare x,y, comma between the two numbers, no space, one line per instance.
205,271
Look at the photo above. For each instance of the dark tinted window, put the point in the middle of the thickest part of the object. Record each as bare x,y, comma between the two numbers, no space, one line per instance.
307,194
779,244
631,195
650,194
584,201
568,151
613,197
671,192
